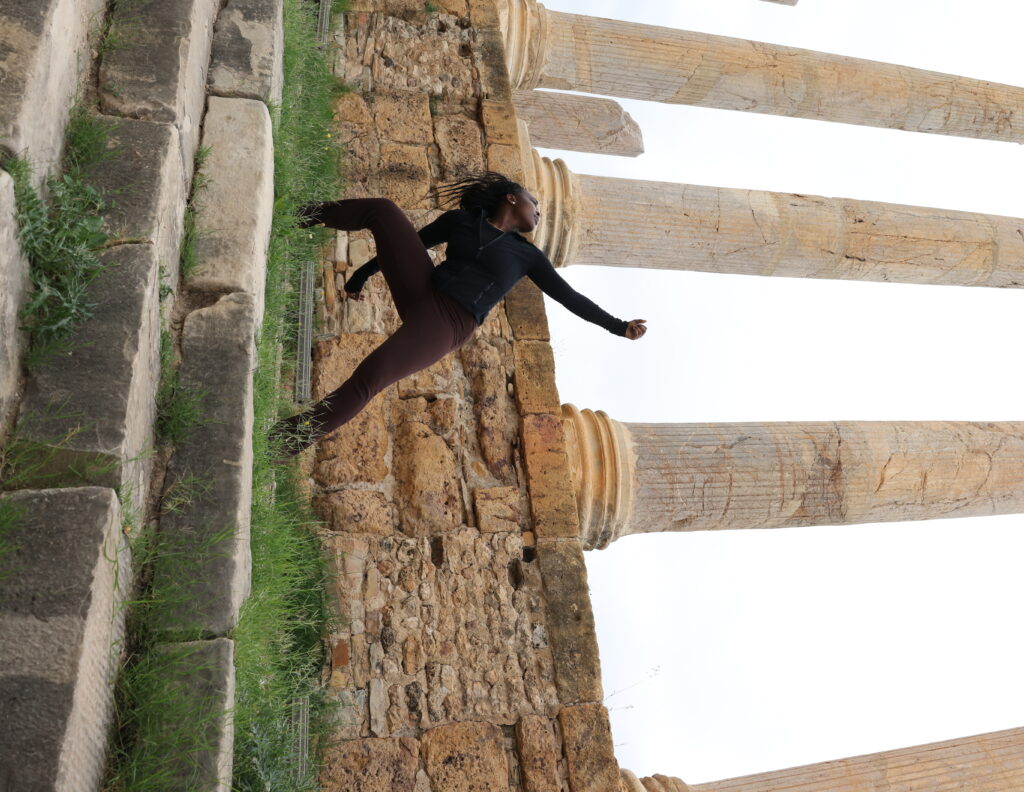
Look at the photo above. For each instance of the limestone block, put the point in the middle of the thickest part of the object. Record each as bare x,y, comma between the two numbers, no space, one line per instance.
486,361
404,174
371,765
357,451
212,530
44,54
61,617
351,108
431,381
505,160
247,59
587,742
199,679
143,179
459,142
160,72
535,377
440,414
236,207
358,511
497,509
403,117
547,471
538,754
499,120
13,285
463,756
524,307
427,478
93,406
570,622
578,123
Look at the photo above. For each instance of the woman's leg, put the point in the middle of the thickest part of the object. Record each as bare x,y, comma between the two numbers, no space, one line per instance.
402,257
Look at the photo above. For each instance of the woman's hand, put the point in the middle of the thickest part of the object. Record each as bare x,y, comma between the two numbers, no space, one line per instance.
635,329
358,296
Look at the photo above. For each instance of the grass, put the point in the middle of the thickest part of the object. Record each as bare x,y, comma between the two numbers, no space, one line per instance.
190,232
179,408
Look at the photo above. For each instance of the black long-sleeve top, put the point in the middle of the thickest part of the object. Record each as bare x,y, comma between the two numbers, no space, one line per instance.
484,263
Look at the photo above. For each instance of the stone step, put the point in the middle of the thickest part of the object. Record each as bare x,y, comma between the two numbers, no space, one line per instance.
159,72
248,45
44,54
13,283
61,618
203,577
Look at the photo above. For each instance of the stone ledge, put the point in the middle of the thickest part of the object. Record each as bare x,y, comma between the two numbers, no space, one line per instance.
547,473
93,407
61,619
248,47
13,285
589,754
535,377
211,531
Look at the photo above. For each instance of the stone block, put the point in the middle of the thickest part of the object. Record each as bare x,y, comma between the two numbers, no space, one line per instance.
587,743
404,173
506,160
92,407
499,121
535,377
538,754
434,380
13,286
61,617
547,473
460,146
358,511
440,415
159,74
524,307
145,188
43,54
351,108
247,60
570,622
197,683
464,756
403,117
487,362
371,765
235,208
428,490
497,509
212,530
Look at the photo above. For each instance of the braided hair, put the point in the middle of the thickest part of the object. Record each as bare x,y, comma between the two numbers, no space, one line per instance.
485,191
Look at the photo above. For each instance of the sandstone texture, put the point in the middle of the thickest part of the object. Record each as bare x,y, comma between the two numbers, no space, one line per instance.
538,754
248,47
61,615
13,285
590,757
465,756
373,765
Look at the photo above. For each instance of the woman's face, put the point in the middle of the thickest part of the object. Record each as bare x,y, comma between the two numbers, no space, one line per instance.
525,211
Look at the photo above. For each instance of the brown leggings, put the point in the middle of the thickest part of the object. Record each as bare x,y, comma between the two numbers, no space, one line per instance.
433,324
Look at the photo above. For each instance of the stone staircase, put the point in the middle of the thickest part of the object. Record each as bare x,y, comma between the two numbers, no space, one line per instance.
183,73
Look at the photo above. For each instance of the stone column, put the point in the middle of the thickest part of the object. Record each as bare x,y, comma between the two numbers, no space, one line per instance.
548,49
992,762
634,478
662,225
578,123
783,2
555,185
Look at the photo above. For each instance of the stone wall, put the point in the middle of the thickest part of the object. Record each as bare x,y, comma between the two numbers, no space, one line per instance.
463,655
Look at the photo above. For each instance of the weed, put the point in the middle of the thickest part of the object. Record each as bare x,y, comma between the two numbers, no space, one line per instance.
190,232
179,407
431,8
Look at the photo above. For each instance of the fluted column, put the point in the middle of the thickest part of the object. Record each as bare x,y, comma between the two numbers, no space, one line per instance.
634,478
663,225
555,185
578,123
655,783
548,49
991,762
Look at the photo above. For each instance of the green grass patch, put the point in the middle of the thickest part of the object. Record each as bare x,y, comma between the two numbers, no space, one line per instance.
179,408
190,232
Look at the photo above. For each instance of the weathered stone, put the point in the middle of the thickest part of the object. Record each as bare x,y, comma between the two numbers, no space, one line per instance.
61,615
440,414
524,306
578,123
459,142
431,381
538,754
45,53
92,407
235,208
403,117
499,122
486,362
198,684
426,474
587,743
351,108
535,377
404,174
358,511
465,756
378,708
212,529
159,73
570,622
356,451
505,160
547,473
371,765
497,509
248,47
13,285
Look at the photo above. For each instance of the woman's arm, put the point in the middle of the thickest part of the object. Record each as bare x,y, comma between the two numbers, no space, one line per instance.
556,287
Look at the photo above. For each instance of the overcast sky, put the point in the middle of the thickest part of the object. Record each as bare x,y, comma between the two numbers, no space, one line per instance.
730,653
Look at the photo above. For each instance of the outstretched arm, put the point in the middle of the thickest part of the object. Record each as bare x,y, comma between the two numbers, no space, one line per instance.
556,287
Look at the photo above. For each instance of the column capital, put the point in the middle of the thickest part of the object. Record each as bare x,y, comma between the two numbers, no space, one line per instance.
524,27
558,191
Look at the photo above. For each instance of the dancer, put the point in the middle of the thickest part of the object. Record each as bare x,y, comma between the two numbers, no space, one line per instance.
439,307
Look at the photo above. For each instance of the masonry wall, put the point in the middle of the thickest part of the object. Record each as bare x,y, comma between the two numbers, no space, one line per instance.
463,655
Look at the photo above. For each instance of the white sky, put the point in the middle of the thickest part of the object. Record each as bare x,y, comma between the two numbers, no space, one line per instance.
738,652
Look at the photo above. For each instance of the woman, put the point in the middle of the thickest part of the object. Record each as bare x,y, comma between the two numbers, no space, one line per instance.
439,307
